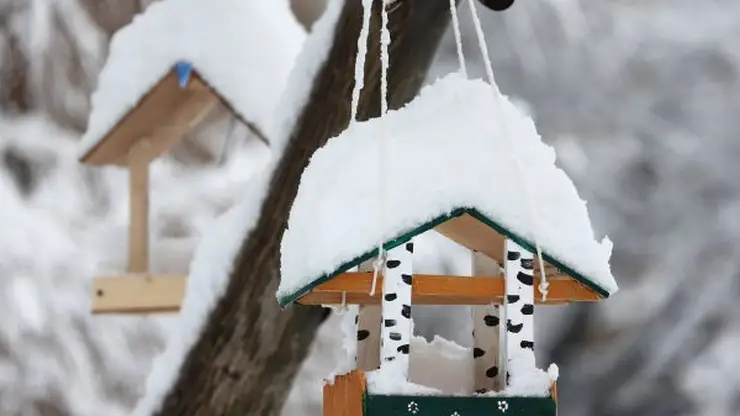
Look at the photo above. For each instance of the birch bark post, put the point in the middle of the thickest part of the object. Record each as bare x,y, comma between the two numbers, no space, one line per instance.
519,310
486,332
397,326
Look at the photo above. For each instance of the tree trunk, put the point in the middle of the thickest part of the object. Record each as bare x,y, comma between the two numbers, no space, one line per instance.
246,357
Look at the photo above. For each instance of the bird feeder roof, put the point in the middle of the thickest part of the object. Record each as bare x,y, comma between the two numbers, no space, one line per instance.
447,165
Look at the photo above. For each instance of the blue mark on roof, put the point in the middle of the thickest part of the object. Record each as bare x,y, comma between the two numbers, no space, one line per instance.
184,70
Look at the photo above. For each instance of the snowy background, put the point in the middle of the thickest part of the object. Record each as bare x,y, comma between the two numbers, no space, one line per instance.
640,100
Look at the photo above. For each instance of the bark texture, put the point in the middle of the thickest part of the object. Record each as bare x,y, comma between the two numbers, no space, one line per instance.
249,352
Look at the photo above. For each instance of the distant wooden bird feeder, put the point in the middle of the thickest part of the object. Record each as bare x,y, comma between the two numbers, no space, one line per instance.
176,104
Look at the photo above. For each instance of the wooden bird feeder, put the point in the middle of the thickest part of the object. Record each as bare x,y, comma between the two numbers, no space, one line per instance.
176,104
504,283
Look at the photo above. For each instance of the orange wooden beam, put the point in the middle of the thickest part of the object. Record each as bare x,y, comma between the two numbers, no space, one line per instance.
344,396
442,290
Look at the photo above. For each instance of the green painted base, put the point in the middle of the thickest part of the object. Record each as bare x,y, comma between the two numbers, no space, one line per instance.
376,405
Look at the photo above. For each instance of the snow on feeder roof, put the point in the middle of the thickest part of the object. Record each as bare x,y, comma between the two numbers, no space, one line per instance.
170,66
445,160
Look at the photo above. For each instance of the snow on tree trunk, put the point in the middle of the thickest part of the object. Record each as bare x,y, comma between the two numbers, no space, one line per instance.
519,311
368,333
397,326
221,374
486,332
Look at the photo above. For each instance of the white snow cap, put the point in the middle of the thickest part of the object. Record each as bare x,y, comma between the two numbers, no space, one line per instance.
443,151
224,40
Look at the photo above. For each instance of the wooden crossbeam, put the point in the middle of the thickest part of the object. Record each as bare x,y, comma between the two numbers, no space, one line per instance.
442,290
138,294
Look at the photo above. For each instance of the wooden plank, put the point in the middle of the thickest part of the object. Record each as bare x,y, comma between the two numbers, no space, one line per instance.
137,294
138,253
470,232
163,116
344,396
442,290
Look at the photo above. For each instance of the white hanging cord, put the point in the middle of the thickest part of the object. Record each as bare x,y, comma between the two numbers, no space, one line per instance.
359,85
458,38
385,40
544,285
343,308
360,58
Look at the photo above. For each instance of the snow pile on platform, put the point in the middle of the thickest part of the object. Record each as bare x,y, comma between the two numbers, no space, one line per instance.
234,45
443,368
443,151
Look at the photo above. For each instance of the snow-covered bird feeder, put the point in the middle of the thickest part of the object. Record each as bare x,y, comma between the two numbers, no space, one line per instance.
167,70
446,166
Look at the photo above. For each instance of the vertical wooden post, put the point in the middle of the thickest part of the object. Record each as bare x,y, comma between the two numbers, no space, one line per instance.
519,310
486,332
397,328
344,397
368,332
138,165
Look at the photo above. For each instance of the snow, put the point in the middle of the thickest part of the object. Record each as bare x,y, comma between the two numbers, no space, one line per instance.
211,264
234,45
443,368
446,152
300,83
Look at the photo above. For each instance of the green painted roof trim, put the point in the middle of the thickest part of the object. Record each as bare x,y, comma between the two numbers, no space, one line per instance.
378,405
289,299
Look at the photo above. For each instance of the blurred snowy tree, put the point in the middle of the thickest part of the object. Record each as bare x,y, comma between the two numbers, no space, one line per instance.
637,97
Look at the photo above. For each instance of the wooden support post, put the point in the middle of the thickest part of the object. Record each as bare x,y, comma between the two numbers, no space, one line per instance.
138,165
368,331
344,397
396,309
519,310
486,335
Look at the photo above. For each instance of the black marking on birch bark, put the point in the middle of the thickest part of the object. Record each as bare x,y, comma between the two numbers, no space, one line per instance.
525,278
388,359
478,352
512,298
492,372
403,349
407,278
362,334
410,247
528,309
357,319
514,329
513,255
527,344
491,320
528,264
390,297
395,336
392,264
508,376
406,311
389,323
